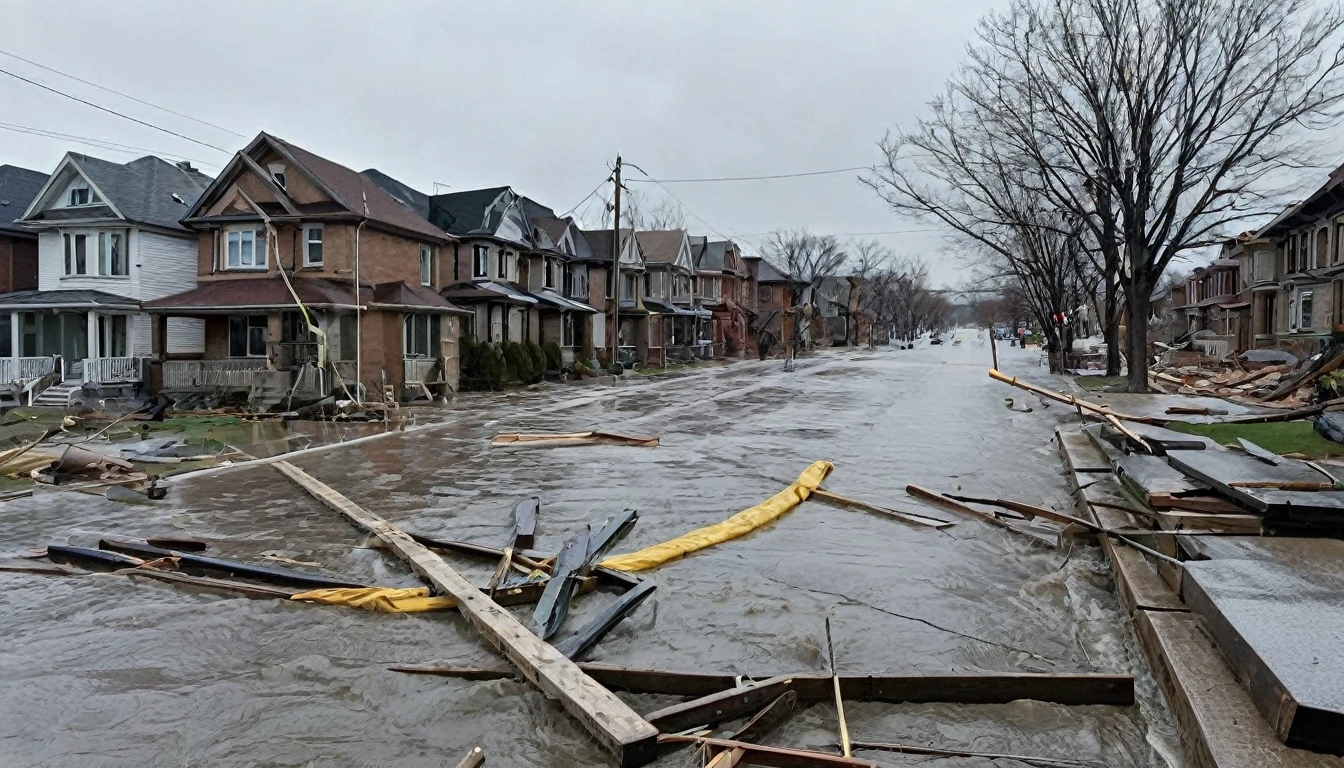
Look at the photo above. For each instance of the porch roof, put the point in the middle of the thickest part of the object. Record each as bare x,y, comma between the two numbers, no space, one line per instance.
560,302
477,291
271,293
664,308
71,299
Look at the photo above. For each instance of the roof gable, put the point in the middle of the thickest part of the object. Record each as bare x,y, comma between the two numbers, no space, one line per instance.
669,246
149,190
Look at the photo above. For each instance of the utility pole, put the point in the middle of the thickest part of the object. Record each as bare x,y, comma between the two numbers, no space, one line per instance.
616,267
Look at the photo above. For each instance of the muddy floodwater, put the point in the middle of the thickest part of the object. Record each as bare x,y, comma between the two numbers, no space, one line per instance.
105,671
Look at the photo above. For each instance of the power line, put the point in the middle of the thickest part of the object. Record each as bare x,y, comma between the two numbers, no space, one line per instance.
97,143
122,94
754,178
853,234
684,206
586,197
112,111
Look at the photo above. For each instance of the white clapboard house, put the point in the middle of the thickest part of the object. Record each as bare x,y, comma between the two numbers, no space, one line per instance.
109,238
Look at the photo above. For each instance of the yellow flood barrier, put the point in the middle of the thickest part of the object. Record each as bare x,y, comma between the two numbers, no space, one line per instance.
379,599
740,524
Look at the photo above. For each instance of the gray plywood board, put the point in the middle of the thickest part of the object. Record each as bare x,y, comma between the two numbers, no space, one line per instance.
1222,468
1080,453
1152,475
1281,629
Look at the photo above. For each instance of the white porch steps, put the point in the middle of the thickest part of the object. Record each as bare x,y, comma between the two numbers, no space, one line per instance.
57,395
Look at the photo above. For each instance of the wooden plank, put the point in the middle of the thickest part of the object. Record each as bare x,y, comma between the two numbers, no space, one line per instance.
474,759
839,700
590,633
770,717
1079,452
525,522
611,721
719,707
1137,581
606,575
928,495
755,754
990,688
1095,410
186,561
911,749
836,499
225,585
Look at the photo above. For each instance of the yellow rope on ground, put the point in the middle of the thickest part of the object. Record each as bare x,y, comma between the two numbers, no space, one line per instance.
740,524
379,599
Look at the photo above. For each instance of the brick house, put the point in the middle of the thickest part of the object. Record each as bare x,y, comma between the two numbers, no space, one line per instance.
109,238
18,243
669,297
283,237
726,287
774,300
633,334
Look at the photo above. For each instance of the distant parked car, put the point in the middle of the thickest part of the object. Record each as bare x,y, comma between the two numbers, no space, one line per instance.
936,339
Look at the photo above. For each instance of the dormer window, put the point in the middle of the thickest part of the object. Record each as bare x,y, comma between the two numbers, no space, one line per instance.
278,173
80,194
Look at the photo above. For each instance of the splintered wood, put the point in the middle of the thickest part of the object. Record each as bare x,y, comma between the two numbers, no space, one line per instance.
617,727
573,438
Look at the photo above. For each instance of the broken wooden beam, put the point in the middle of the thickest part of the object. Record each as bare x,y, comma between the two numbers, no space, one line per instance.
186,561
225,585
606,575
616,727
525,522
911,749
574,438
1096,410
839,701
722,706
770,717
554,604
937,498
474,759
1082,689
836,499
756,754
590,633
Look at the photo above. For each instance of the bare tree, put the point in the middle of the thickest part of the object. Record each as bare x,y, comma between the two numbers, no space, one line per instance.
909,305
641,215
1157,124
807,258
870,277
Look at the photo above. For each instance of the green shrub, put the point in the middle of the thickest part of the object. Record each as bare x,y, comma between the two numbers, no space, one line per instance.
518,364
538,359
553,358
482,367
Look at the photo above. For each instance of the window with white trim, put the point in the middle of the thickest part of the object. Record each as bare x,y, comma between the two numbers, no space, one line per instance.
312,245
278,173
420,336
101,254
79,193
1263,266
426,265
244,248
247,336
502,269
548,272
480,261
1304,303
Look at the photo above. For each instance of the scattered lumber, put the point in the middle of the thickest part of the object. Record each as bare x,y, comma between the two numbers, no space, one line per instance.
770,717
612,530
719,707
1194,410
937,498
990,503
755,754
88,556
590,633
911,749
616,727
574,438
845,748
1082,405
225,585
474,759
836,499
1210,504
606,575
1308,374
1286,485
1129,434
1294,414
186,561
181,545
989,688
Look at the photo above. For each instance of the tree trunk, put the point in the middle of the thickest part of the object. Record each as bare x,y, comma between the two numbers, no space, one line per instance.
1138,298
1110,324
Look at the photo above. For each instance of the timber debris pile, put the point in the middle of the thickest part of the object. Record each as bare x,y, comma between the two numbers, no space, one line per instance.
727,716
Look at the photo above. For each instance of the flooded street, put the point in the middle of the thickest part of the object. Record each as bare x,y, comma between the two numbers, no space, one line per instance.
102,670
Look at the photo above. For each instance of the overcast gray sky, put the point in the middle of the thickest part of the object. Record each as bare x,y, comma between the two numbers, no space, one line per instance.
538,95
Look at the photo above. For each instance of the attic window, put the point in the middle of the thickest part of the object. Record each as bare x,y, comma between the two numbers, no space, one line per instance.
278,173
80,194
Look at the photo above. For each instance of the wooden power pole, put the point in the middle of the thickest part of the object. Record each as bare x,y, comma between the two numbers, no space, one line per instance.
616,267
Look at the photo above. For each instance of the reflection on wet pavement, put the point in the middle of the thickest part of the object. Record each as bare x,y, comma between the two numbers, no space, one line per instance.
99,670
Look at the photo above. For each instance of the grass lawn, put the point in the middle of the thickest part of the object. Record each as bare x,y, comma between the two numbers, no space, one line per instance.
1099,383
1285,437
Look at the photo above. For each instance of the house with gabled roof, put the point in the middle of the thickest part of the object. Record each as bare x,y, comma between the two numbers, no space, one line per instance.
626,307
776,304
312,280
669,295
726,287
109,238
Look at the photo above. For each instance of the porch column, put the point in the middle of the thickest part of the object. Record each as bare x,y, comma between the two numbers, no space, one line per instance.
15,335
91,328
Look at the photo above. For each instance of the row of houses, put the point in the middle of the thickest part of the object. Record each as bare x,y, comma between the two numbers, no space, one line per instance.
290,275
1279,287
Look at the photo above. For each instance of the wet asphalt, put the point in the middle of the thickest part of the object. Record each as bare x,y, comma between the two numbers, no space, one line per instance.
101,670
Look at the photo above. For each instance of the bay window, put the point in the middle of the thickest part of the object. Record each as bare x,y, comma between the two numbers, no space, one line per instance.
245,248
100,254
480,261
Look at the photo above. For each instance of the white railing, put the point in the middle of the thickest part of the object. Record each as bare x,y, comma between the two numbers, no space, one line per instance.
1218,346
25,368
110,370
420,369
221,374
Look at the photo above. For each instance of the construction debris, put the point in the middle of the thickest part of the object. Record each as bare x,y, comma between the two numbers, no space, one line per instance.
573,438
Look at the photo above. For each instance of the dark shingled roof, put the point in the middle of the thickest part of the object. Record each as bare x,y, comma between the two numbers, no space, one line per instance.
714,257
70,298
143,189
18,187
265,292
599,242
411,198
769,273
662,245
462,213
355,191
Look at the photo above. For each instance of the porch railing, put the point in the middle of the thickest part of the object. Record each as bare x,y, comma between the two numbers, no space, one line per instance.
112,370
25,368
294,354
421,369
221,374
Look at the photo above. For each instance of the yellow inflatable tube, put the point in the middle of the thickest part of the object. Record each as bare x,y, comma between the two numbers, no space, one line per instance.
740,524
379,599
